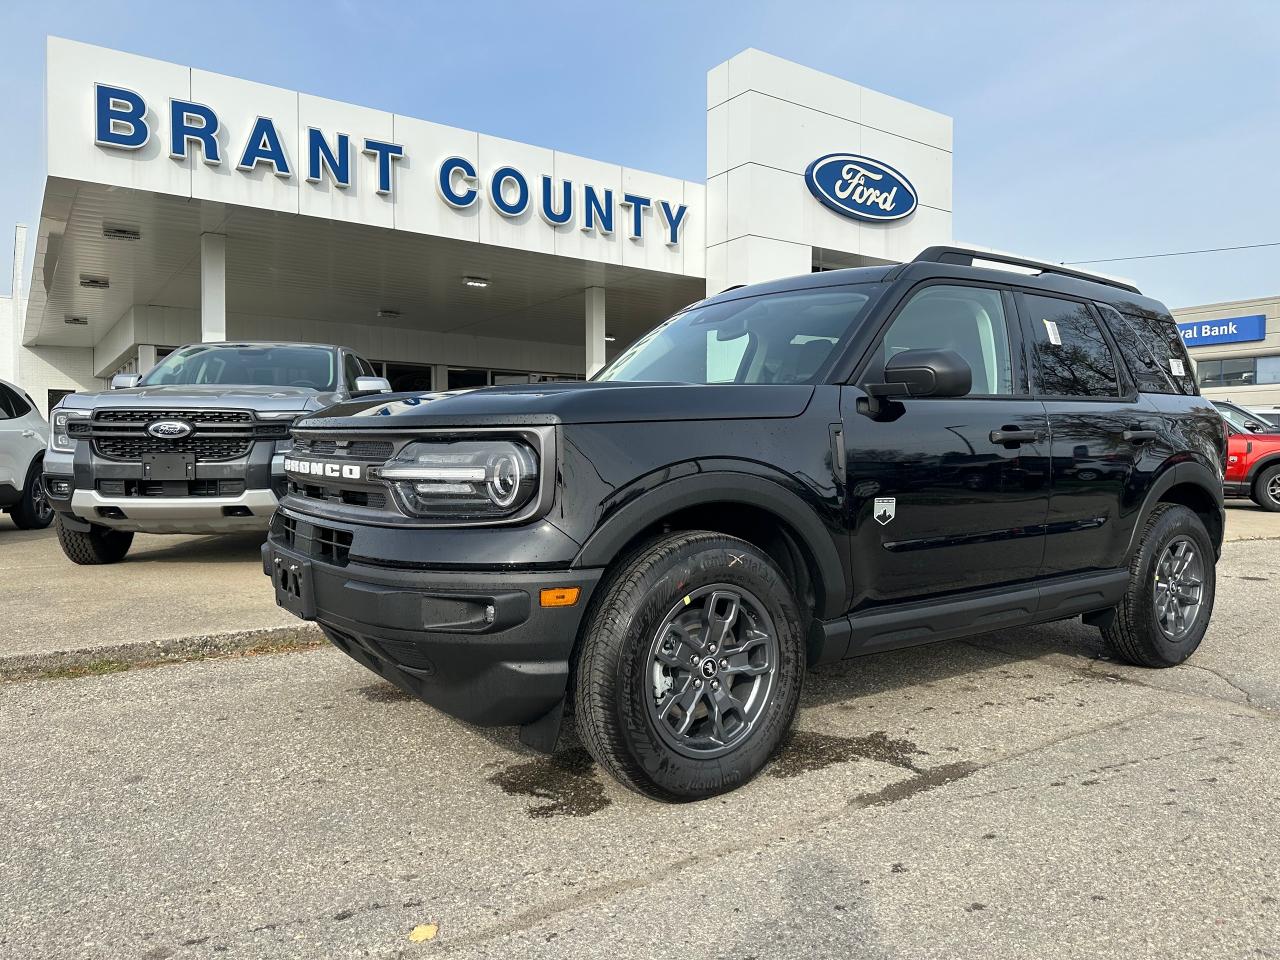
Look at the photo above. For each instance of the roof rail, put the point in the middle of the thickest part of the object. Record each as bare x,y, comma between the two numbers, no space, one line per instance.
965,256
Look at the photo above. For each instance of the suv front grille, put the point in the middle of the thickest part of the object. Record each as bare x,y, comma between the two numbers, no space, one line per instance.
312,539
216,435
375,499
171,488
379,450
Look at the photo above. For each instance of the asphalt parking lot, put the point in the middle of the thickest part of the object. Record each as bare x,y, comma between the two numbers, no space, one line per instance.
1017,795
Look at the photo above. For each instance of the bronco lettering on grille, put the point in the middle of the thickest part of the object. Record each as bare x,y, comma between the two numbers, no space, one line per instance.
319,468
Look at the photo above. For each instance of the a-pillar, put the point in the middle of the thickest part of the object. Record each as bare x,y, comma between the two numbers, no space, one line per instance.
213,287
595,331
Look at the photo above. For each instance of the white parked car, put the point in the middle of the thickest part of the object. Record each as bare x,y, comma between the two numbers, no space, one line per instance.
24,435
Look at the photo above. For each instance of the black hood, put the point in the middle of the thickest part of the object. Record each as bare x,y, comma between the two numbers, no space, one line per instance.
568,402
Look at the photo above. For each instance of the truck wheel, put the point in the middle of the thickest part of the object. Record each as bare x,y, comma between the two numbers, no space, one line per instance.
691,666
99,545
1166,610
33,511
1266,489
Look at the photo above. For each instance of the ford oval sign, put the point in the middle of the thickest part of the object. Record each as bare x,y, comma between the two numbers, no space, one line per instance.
860,187
169,429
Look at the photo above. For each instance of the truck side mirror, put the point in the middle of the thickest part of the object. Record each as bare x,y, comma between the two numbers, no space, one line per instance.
366,385
123,381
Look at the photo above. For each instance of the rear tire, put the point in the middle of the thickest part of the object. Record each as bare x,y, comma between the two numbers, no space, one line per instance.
99,545
698,631
1266,489
33,511
1166,609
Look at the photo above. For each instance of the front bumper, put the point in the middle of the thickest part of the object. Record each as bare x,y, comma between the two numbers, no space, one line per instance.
250,510
85,477
476,644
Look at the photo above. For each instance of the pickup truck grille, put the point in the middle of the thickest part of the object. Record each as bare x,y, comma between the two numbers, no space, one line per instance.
217,435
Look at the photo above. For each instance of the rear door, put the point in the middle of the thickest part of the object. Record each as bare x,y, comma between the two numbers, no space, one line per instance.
1100,428
947,494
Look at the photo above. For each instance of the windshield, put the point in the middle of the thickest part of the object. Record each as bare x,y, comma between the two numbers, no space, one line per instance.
774,338
245,366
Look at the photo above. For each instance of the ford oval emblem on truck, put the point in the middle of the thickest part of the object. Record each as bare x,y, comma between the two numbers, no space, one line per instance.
860,187
169,429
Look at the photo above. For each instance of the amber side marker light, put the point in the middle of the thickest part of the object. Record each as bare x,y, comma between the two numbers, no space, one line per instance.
560,596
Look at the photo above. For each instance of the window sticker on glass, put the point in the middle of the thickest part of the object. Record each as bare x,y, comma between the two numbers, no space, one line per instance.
1054,336
1176,367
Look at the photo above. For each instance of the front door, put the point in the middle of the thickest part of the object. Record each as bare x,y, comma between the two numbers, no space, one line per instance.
947,494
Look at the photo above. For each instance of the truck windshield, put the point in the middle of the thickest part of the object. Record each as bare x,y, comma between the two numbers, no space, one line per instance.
772,338
245,366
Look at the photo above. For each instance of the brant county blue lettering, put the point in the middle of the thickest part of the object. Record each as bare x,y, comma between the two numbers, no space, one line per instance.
122,121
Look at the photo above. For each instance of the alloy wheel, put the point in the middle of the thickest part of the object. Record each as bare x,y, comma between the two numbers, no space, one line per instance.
1179,588
712,664
40,501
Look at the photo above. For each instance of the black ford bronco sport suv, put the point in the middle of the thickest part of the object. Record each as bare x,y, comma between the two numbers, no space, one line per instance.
782,475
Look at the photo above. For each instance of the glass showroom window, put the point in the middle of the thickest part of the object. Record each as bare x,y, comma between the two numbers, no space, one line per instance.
1227,373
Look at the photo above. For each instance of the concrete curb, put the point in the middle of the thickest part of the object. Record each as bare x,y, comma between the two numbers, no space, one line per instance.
106,659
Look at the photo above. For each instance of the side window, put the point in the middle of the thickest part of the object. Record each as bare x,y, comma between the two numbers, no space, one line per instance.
366,368
1150,373
1073,356
350,370
969,320
1163,338
6,403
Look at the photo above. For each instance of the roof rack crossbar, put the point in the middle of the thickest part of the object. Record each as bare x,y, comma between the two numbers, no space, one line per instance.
963,256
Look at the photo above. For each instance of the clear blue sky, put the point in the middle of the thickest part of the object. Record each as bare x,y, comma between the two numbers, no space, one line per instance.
1082,130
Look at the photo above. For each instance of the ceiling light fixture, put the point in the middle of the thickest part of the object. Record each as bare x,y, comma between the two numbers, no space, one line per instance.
94,283
76,321
386,313
112,232
479,282
609,339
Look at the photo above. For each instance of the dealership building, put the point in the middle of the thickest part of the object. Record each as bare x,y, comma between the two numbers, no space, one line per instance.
182,205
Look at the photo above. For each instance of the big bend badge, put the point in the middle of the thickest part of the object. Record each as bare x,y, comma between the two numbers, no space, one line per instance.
885,509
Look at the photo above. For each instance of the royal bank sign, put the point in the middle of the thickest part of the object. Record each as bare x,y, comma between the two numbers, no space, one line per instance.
123,121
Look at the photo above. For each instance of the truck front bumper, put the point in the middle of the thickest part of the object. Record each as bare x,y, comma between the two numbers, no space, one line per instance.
476,644
251,510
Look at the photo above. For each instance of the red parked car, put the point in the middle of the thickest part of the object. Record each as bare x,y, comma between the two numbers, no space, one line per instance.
1253,458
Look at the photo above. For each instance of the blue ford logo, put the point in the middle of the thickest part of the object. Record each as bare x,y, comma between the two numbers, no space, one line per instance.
860,187
169,429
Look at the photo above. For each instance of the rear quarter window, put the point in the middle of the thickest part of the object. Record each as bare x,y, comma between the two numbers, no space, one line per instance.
1164,343
1148,363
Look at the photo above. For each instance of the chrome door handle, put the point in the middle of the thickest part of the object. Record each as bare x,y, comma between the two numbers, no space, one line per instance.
28,433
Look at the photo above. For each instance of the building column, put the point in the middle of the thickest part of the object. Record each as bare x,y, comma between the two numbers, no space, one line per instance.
146,357
595,342
213,287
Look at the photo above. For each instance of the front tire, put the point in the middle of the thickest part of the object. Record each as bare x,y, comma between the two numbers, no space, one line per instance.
99,545
1166,609
33,511
1266,489
691,667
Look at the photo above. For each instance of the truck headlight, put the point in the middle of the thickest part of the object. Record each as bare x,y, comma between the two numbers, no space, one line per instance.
60,438
465,478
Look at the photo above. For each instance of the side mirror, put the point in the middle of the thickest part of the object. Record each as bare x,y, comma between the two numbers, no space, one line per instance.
921,373
371,385
1253,426
123,381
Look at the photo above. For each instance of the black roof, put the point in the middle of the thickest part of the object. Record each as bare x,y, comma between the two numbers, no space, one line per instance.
958,262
